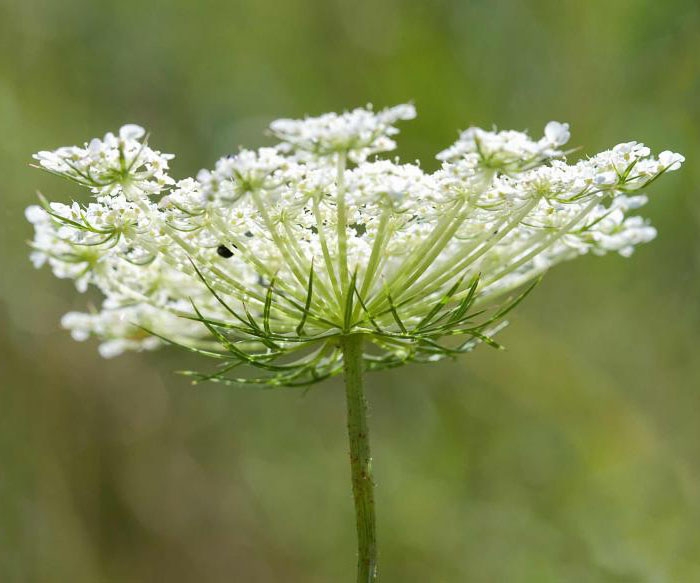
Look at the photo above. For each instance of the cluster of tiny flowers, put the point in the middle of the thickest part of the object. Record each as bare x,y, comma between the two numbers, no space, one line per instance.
264,261
109,165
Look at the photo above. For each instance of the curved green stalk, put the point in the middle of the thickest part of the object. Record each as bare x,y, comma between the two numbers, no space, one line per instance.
342,220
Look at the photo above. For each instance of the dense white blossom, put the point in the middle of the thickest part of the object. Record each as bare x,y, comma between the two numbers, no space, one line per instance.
108,165
357,133
266,259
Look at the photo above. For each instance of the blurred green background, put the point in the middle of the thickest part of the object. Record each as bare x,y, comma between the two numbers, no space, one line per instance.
574,456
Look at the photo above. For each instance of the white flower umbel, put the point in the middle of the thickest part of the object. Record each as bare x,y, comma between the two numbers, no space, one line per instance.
294,263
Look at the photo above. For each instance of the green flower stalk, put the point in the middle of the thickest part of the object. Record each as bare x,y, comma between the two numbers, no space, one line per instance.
294,263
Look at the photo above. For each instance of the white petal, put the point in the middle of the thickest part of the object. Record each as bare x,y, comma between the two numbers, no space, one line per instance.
131,132
557,133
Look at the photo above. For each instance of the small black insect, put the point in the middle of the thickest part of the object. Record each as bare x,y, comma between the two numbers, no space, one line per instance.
224,251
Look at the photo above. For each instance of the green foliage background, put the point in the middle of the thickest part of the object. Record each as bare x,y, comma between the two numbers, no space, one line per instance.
573,456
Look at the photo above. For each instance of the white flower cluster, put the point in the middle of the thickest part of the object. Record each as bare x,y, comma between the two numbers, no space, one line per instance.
264,261
358,133
106,166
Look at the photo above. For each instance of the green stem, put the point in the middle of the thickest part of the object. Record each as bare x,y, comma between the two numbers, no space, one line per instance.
326,253
342,219
360,460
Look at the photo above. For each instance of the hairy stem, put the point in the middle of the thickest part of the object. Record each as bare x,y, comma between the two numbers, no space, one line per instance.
360,460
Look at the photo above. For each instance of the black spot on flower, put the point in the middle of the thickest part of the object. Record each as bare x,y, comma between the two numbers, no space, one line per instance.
224,251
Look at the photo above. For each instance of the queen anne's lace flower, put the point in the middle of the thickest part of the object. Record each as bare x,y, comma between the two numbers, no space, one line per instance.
267,259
